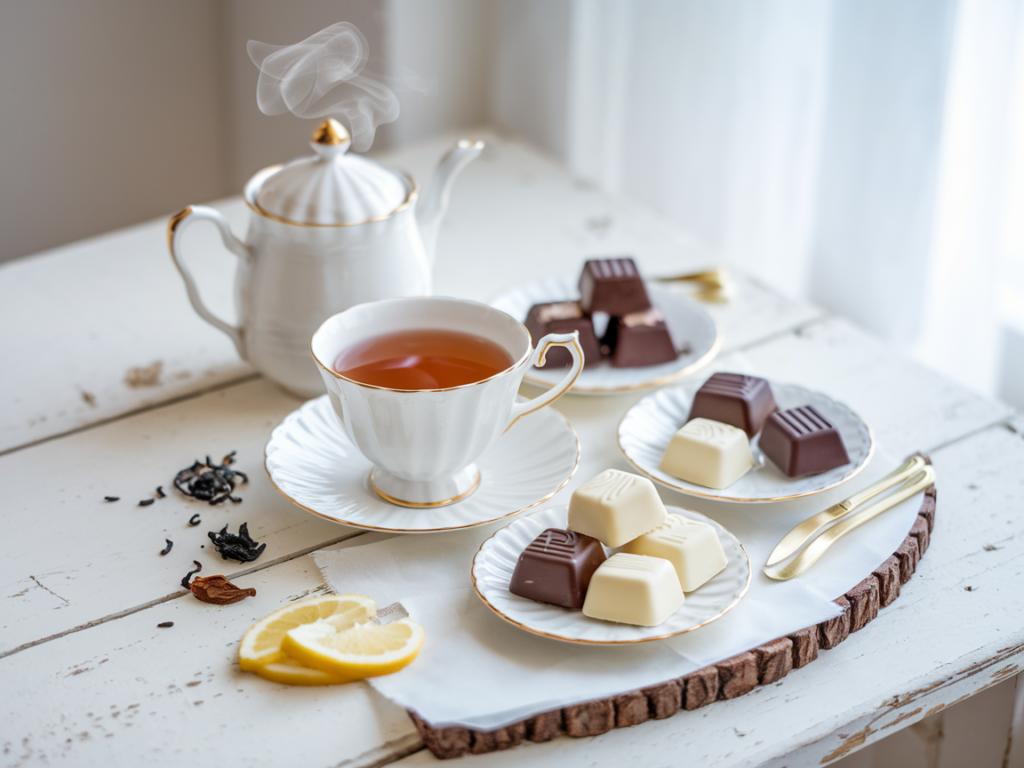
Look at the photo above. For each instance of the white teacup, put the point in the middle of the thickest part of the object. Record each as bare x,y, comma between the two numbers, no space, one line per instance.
424,442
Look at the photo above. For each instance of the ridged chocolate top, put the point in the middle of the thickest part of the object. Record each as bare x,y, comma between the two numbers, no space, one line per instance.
803,421
610,269
734,384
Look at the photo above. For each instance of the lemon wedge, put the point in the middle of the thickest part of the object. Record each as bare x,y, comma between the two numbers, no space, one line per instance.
290,672
262,643
361,650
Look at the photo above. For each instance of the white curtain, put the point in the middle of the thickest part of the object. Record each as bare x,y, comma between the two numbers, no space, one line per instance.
855,153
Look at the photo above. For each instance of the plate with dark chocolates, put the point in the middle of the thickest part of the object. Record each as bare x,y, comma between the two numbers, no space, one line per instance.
735,437
544,575
634,334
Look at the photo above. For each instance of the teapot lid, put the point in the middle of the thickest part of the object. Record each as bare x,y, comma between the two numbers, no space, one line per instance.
332,188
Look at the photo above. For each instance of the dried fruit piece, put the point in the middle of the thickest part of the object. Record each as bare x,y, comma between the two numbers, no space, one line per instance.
218,590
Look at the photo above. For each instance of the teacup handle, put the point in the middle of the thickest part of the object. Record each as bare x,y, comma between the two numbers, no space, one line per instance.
175,228
571,341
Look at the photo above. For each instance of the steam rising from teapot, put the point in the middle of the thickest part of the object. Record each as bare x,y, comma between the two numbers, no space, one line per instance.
321,77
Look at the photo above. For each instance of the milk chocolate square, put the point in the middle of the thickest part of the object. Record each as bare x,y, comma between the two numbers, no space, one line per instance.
732,398
563,317
639,338
801,442
556,568
613,286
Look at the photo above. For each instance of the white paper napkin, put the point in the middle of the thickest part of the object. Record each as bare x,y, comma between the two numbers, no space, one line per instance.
477,671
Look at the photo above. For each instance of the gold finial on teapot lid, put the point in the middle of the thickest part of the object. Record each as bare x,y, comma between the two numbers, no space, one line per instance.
330,132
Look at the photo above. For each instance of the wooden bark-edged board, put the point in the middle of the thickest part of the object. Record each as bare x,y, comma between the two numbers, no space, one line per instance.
726,680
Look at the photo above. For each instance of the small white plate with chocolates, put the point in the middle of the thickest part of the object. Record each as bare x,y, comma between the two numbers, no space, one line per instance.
634,334
613,567
742,438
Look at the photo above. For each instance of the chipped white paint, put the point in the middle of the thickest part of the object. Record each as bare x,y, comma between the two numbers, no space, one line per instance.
111,304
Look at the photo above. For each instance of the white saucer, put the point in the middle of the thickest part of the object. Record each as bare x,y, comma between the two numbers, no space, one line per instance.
312,463
647,428
689,324
496,560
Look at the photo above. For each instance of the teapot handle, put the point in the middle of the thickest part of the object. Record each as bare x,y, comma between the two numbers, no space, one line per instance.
175,228
571,341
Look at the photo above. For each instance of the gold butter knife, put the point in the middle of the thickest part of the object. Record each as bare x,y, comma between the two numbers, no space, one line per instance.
713,284
917,483
793,540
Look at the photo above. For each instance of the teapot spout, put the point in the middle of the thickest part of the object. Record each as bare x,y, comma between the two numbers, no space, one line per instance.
435,203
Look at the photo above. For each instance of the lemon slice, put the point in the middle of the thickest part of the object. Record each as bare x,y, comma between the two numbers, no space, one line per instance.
291,672
362,650
262,643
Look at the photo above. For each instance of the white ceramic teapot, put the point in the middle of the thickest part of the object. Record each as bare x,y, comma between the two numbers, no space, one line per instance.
328,232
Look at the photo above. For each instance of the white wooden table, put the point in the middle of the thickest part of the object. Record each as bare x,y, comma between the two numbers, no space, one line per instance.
89,679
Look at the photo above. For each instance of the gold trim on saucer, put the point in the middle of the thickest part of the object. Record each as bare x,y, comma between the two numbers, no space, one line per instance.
531,630
422,504
716,497
365,527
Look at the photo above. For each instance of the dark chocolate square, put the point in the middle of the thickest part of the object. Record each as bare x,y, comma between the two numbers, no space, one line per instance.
563,317
801,442
640,338
613,286
732,398
556,568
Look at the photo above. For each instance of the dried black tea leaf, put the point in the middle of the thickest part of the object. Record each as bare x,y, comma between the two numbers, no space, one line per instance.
197,569
210,482
160,492
146,502
194,520
229,459
165,624
167,549
111,498
218,590
237,546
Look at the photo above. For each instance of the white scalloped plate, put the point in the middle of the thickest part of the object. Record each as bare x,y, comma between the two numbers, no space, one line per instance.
496,560
688,323
312,463
647,428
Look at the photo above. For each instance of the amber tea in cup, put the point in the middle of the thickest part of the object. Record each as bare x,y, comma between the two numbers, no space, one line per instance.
424,358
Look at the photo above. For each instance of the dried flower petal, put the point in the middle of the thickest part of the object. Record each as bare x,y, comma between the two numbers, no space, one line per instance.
218,590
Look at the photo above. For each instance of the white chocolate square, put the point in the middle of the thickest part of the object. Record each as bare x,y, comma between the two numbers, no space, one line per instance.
693,549
708,453
633,589
615,507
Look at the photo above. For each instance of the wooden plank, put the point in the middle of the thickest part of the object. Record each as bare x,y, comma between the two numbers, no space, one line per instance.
90,312
72,558
128,692
937,644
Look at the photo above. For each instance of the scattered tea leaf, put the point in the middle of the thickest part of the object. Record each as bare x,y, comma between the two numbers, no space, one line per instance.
167,549
160,492
197,569
218,590
165,624
194,520
237,546
229,459
146,502
111,498
210,482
